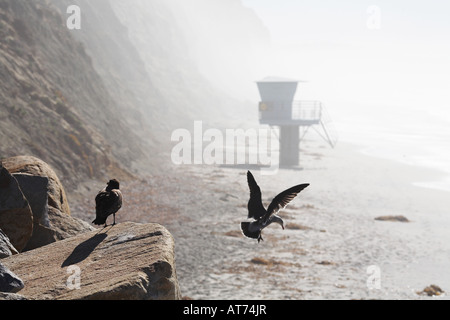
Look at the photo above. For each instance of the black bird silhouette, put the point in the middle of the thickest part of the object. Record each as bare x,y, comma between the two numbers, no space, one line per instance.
262,217
108,201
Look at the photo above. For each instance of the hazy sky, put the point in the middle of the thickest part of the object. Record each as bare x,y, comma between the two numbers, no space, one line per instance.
363,54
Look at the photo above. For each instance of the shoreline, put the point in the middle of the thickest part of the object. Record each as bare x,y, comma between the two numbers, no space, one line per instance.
441,176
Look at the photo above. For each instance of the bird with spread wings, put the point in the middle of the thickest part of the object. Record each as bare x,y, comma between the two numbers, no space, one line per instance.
262,217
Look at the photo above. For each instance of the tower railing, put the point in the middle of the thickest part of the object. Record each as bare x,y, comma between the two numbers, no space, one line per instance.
309,111
304,113
306,110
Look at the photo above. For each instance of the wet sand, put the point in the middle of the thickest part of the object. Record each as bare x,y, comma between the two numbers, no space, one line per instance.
331,239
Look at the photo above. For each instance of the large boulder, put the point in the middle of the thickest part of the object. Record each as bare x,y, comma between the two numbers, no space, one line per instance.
35,190
47,199
57,199
125,261
16,219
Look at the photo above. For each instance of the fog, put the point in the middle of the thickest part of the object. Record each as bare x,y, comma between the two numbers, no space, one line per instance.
382,70
386,64
396,56
229,43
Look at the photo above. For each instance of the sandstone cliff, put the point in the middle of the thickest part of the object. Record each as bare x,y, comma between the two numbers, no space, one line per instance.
53,103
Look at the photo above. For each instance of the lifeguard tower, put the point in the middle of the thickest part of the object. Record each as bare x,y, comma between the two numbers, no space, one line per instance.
294,118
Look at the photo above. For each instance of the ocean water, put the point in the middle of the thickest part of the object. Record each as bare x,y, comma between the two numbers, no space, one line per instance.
414,137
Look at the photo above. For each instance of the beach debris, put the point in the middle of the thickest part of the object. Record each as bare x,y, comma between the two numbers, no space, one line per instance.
258,260
273,263
233,233
296,226
326,263
392,218
262,217
432,290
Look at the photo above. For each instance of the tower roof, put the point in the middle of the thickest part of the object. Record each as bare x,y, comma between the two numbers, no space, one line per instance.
279,79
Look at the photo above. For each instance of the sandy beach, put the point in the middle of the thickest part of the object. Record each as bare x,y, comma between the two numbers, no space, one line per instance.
331,245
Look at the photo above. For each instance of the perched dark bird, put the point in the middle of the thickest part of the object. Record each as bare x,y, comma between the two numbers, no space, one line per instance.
108,201
262,217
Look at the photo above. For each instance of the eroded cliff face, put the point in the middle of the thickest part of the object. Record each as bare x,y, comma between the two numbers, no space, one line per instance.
103,100
118,63
54,105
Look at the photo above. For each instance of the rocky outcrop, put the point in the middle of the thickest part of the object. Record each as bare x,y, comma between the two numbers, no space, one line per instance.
16,219
9,282
46,216
11,296
125,261
47,254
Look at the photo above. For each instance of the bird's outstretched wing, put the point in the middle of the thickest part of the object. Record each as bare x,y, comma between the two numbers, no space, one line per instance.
255,207
282,199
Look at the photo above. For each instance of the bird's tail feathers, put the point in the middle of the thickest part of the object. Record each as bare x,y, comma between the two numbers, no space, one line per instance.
99,221
245,228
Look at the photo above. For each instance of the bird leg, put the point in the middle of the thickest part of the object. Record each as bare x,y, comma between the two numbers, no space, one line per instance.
260,238
114,216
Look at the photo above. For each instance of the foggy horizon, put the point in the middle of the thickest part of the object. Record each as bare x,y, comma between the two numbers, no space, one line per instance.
382,69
